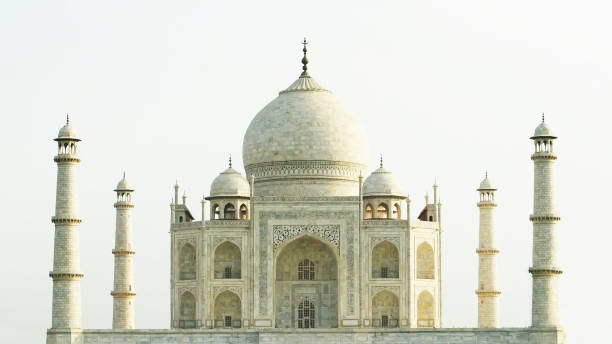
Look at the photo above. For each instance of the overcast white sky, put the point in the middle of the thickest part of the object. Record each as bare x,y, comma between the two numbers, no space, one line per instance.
166,90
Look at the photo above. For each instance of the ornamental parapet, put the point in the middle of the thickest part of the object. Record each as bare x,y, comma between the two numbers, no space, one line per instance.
123,293
263,199
123,252
228,223
65,220
66,158
544,218
186,225
374,223
487,251
488,292
65,276
543,156
545,272
124,205
305,168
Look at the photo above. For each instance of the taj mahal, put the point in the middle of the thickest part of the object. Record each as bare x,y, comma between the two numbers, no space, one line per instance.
308,245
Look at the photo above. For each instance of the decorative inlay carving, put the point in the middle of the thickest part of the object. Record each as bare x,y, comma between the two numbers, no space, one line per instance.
302,168
123,252
234,289
227,223
186,240
219,240
283,233
192,290
487,251
62,158
393,289
394,240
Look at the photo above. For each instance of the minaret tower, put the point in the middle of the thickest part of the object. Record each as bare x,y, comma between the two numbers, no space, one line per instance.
544,271
488,295
123,287
66,274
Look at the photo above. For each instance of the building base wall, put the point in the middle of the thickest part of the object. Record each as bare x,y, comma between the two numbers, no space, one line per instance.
319,336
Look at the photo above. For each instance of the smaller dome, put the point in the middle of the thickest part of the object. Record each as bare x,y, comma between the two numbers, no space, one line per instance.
67,132
381,183
543,130
124,185
230,183
486,184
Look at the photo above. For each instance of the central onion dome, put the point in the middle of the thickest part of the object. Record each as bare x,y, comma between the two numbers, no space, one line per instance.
305,134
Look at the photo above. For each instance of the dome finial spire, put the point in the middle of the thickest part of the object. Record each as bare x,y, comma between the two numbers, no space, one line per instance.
381,161
67,119
230,161
542,117
305,60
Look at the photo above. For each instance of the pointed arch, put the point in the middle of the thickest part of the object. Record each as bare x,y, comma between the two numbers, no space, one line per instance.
228,261
425,310
216,213
385,260
382,211
228,310
397,211
385,309
244,212
187,262
425,262
369,212
229,212
187,306
306,268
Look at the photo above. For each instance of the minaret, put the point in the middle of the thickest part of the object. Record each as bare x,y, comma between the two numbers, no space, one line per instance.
123,286
544,271
66,274
488,295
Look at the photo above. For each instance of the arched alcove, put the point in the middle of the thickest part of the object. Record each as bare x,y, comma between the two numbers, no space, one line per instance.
306,268
369,212
228,261
385,260
425,310
382,211
187,306
397,211
425,262
244,212
385,309
228,310
187,262
229,212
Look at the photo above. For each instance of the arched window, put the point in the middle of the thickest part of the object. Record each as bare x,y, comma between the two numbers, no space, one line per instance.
216,212
397,211
425,310
385,260
306,314
425,261
306,270
382,212
369,212
244,212
227,261
229,212
188,306
180,219
187,263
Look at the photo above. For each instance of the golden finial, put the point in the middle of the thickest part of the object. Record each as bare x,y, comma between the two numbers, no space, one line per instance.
305,60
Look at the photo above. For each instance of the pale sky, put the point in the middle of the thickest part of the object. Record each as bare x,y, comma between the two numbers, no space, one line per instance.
166,90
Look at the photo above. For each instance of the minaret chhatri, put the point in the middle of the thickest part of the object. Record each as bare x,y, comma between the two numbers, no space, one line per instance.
488,295
544,270
123,286
66,274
